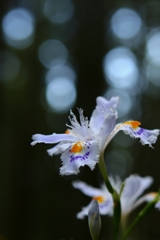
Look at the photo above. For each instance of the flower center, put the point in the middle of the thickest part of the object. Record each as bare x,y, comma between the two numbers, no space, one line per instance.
134,124
99,199
77,147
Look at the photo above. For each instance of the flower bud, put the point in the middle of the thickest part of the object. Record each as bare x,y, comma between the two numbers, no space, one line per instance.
94,220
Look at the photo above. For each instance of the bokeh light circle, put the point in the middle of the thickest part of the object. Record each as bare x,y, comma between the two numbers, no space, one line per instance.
18,28
153,74
126,23
61,94
59,11
120,68
9,66
52,52
60,70
153,47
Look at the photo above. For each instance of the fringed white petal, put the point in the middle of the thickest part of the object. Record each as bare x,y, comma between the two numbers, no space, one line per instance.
51,139
103,110
81,130
132,128
59,148
79,155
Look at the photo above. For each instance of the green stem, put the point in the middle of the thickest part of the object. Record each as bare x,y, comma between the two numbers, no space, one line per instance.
145,210
116,218
94,238
115,196
124,224
103,170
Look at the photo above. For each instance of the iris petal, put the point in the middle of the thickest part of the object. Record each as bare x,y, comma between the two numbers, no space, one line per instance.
53,138
131,128
106,130
105,203
59,148
103,110
73,160
86,189
134,187
147,198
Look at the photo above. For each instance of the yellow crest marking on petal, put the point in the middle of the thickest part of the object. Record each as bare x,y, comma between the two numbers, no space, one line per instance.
153,194
77,147
99,199
67,131
134,124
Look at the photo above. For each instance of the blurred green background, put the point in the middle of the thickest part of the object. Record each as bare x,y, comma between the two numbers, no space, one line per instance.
61,54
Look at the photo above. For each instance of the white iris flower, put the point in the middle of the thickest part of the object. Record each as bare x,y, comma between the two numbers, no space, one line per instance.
130,197
85,141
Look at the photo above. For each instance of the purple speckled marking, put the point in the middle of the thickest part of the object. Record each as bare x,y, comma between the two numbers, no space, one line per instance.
72,158
104,204
141,130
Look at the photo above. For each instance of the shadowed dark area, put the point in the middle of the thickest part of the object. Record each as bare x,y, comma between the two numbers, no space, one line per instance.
35,201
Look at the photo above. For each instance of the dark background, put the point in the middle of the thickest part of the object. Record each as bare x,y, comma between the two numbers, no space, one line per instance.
35,201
